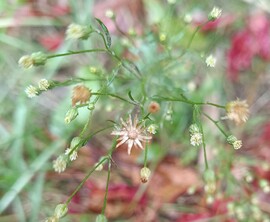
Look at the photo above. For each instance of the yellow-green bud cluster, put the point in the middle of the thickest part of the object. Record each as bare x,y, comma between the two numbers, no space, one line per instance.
232,140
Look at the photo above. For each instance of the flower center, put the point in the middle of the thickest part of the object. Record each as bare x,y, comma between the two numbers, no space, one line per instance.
132,134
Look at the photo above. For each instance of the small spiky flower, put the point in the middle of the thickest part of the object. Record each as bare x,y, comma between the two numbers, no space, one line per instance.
211,61
214,14
131,133
80,94
196,139
43,84
60,164
76,31
31,91
72,154
237,111
26,62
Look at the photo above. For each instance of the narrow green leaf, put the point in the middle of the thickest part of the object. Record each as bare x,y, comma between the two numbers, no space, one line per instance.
130,96
106,31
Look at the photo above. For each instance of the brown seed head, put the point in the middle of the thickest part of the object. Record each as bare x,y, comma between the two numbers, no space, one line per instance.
80,94
153,107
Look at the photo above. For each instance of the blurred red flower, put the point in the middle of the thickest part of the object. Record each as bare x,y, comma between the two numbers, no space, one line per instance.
252,41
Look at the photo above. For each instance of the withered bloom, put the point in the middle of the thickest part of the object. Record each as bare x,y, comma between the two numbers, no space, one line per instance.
80,94
237,111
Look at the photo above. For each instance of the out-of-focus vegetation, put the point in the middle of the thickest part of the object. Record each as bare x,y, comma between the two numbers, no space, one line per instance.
162,40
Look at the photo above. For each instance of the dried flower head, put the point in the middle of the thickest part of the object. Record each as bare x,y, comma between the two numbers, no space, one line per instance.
131,133
237,111
80,94
153,107
196,139
76,31
214,14
60,164
26,62
31,91
211,61
43,84
145,174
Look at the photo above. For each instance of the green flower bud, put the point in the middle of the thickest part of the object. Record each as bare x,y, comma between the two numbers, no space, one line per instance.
75,142
60,210
39,58
101,218
194,128
71,115
231,139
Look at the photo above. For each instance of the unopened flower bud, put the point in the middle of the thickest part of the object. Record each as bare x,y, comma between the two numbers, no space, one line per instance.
76,31
110,14
75,142
231,139
101,218
99,168
145,174
60,210
194,128
71,114
162,37
153,107
211,61
209,176
214,14
39,58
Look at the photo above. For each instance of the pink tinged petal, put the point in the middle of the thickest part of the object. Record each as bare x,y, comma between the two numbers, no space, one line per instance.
138,142
122,142
130,121
118,133
130,145
123,123
141,137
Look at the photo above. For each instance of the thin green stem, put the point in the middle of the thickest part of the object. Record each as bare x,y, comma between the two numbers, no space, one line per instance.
185,100
107,187
217,125
76,52
145,155
85,178
204,149
115,96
